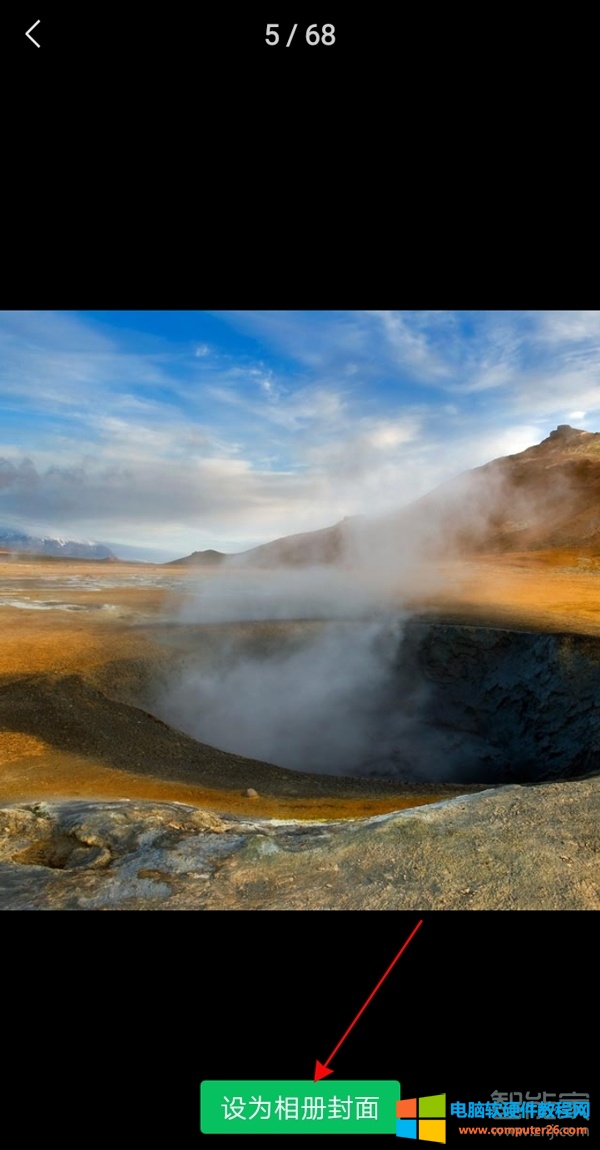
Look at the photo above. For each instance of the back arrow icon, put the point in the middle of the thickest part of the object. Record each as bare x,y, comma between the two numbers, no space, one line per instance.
31,37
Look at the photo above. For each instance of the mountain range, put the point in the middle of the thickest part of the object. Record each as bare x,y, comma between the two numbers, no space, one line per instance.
547,496
20,543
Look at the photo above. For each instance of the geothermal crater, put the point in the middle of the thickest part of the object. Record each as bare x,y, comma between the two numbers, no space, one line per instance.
396,698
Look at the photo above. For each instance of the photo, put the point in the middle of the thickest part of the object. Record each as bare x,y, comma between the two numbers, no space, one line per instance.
300,611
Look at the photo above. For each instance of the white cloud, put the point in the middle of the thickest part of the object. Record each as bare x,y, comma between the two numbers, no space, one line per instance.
316,406
371,410
410,348
568,326
550,393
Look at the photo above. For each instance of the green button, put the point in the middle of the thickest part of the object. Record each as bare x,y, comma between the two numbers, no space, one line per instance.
305,1107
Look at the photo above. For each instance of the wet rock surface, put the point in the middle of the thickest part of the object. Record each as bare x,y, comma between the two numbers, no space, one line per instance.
411,700
517,847
489,705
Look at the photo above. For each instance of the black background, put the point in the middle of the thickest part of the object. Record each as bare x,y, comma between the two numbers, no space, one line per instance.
184,32
122,1016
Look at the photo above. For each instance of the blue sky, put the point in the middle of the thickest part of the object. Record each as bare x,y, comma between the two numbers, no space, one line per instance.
178,431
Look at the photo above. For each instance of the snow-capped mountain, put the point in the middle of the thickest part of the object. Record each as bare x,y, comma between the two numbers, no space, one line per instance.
11,540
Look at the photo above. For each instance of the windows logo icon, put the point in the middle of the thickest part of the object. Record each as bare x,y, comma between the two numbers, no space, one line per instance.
422,1118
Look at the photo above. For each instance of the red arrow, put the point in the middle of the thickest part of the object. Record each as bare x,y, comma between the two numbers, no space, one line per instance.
321,1069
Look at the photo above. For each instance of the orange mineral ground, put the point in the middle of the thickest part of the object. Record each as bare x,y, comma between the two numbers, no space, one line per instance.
80,640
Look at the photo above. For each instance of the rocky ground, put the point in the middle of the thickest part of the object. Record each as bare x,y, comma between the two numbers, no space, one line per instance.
106,807
515,848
